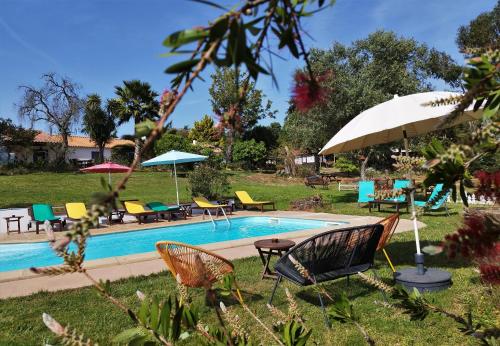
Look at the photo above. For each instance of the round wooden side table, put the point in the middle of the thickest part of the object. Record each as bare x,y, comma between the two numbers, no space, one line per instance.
268,248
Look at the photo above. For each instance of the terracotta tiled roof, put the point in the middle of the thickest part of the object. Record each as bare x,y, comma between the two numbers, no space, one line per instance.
79,141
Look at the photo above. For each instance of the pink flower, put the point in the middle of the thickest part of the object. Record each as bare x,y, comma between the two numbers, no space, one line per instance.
307,92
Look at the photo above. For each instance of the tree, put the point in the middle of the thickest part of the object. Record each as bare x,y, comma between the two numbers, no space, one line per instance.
267,134
204,131
482,31
236,115
360,76
249,153
98,123
135,100
172,141
13,137
57,103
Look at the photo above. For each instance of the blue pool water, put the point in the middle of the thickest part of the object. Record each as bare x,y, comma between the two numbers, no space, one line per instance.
26,255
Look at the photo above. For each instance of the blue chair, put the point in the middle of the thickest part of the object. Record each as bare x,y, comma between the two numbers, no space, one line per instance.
365,189
436,204
400,184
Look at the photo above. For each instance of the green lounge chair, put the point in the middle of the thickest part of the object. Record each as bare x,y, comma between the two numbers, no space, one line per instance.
162,208
366,190
398,185
436,204
43,212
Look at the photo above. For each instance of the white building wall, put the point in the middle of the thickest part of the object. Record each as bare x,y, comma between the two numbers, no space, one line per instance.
86,153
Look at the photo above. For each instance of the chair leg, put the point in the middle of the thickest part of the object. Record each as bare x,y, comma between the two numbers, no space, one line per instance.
327,322
389,260
278,280
347,280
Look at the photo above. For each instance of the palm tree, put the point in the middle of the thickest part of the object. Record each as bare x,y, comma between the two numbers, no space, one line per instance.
98,123
135,100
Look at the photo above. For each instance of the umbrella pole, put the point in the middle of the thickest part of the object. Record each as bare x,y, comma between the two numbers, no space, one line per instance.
109,177
421,278
412,197
176,186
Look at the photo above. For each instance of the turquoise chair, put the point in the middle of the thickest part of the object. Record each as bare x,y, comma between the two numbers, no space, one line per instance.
400,184
43,212
437,204
365,189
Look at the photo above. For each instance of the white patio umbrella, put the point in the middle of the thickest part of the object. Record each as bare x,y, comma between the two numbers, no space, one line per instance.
174,157
396,119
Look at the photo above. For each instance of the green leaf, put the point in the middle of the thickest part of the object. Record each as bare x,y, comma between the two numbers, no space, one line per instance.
183,66
211,3
129,336
183,37
165,318
154,318
219,28
144,312
175,52
144,128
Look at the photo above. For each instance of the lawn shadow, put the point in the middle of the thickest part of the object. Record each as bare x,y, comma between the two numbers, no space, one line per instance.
248,297
402,254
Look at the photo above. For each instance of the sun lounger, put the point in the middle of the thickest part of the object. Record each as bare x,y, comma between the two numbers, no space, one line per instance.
136,208
434,204
75,210
247,201
206,205
169,210
43,212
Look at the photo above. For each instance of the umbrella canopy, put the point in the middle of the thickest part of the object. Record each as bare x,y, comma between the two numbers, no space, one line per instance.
108,167
174,157
388,121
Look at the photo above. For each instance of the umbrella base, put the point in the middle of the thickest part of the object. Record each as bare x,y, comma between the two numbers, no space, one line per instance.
421,278
431,280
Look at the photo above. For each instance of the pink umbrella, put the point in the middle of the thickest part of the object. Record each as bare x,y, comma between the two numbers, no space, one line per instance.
108,167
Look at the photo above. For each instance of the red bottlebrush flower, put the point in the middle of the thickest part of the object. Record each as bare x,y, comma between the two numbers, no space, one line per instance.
490,273
307,92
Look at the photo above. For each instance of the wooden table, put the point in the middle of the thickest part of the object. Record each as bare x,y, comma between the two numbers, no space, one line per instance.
378,202
13,218
268,248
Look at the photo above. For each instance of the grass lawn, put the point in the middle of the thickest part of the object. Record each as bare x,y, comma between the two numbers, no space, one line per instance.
84,309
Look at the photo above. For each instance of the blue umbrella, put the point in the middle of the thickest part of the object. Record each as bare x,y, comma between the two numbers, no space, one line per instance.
174,157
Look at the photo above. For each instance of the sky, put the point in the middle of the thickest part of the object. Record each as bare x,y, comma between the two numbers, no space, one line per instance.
100,43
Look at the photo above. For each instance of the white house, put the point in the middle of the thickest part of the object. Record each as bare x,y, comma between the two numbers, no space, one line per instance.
81,148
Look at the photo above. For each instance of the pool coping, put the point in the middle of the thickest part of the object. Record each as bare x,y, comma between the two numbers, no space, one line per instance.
9,279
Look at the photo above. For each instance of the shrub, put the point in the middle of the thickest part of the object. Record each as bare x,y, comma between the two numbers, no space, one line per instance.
305,170
208,181
171,141
249,153
345,165
122,154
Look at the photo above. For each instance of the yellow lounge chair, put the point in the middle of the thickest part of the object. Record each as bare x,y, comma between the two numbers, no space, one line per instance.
206,205
247,201
75,210
136,208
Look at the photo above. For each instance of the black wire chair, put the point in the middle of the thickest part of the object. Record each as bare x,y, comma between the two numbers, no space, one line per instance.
329,256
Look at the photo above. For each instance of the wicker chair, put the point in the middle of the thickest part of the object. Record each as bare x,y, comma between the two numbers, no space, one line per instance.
193,266
390,224
330,255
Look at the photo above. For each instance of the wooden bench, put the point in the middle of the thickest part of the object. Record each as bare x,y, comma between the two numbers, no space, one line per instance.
316,180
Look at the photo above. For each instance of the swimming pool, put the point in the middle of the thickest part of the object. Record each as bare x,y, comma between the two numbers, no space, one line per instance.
25,255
